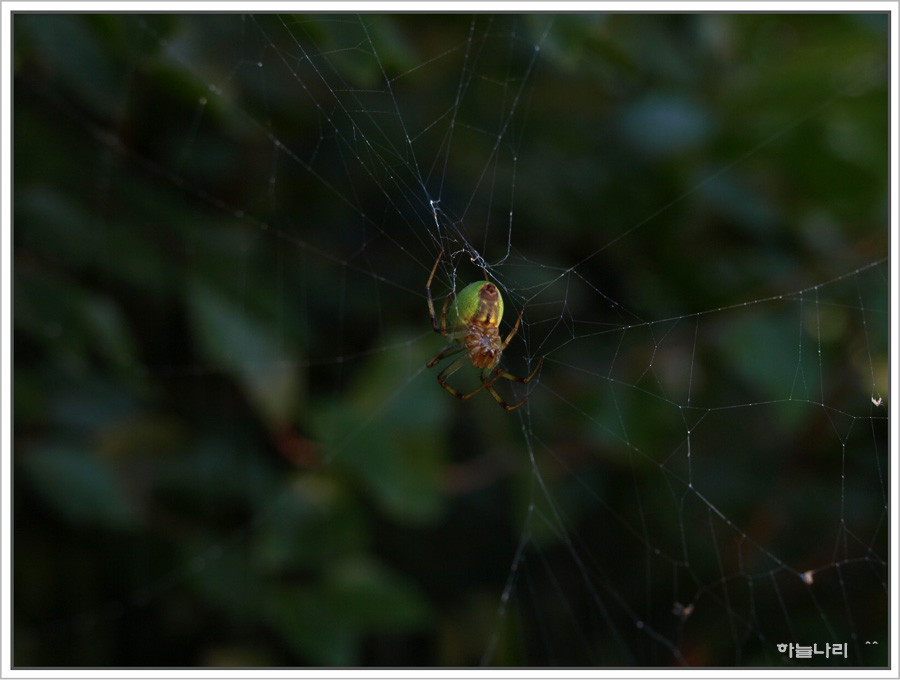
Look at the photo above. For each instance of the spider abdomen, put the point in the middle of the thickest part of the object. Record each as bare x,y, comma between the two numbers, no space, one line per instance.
484,345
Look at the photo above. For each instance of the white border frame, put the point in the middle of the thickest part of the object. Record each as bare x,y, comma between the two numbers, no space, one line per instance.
6,10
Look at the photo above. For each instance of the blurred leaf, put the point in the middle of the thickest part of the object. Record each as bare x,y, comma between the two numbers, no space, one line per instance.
316,523
79,488
356,598
741,207
774,370
219,475
29,398
143,435
52,224
88,405
216,569
307,619
75,54
373,598
232,340
387,436
110,331
74,322
664,125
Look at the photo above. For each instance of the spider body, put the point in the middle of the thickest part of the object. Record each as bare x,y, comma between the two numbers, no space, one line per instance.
479,308
474,328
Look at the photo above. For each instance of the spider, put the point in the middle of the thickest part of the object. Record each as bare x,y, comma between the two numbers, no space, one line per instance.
475,318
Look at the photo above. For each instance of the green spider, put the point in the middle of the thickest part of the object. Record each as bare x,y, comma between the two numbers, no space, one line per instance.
475,319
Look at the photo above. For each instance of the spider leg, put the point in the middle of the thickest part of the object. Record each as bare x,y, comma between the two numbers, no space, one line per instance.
453,331
509,376
444,315
515,378
500,399
428,294
514,330
446,352
450,370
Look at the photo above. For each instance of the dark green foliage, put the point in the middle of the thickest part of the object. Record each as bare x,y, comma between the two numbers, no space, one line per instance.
227,450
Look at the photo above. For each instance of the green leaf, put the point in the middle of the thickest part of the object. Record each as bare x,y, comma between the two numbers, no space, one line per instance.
72,51
317,521
327,623
374,598
78,487
387,435
306,619
72,321
232,340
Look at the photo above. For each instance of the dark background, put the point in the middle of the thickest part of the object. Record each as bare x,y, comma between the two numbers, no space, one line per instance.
227,450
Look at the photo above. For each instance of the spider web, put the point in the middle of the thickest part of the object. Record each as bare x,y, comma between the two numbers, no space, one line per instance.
228,300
